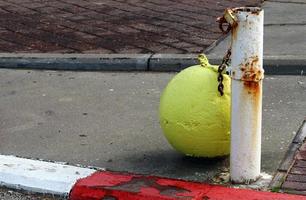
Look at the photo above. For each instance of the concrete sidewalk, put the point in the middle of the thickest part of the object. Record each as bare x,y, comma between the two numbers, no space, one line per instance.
110,120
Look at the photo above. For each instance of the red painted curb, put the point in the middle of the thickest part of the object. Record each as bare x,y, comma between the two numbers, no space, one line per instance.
111,186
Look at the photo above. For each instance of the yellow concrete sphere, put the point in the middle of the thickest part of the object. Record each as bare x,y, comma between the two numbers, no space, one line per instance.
194,117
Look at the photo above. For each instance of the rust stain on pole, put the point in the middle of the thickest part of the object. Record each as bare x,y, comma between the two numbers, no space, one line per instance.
247,74
251,72
234,32
252,75
253,90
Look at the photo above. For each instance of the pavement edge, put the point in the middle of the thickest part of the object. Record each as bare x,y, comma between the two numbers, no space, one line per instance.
78,183
288,160
39,176
273,65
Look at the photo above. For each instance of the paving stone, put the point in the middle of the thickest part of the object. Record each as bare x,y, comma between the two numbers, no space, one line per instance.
294,185
301,155
300,163
298,170
111,26
303,147
296,178
295,181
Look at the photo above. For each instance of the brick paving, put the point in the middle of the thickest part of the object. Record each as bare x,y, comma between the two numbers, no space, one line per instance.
111,26
295,181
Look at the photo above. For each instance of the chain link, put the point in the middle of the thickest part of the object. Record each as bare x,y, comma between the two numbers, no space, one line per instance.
221,68
226,59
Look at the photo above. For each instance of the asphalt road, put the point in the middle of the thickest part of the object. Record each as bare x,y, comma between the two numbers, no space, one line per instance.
110,120
7,194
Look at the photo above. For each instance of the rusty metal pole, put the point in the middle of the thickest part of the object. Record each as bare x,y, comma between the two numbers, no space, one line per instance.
247,74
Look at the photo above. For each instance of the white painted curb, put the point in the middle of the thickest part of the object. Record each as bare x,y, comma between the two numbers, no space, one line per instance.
39,176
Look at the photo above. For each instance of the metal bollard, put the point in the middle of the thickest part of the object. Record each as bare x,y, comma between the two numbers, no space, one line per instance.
247,74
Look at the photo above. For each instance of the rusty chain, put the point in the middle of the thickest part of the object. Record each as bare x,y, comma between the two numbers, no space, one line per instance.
221,68
226,59
222,21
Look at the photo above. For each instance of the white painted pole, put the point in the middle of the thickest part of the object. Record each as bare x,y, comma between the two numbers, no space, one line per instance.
247,74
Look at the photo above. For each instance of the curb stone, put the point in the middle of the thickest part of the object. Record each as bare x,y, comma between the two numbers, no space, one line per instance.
78,183
171,62
273,65
86,62
39,176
